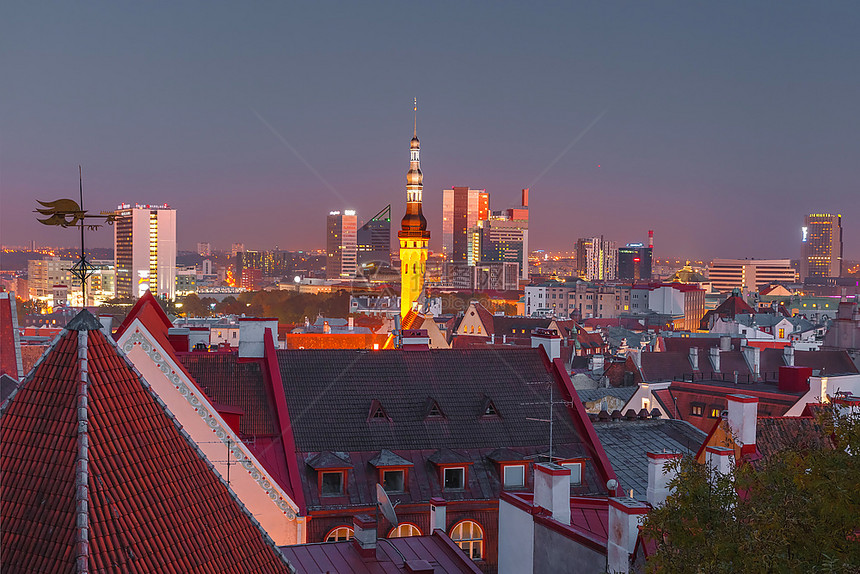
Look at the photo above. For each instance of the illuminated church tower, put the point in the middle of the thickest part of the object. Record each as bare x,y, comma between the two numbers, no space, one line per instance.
413,232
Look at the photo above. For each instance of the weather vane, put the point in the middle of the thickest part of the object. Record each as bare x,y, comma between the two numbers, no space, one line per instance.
68,213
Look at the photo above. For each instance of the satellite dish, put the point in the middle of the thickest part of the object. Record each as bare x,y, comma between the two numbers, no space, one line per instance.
385,505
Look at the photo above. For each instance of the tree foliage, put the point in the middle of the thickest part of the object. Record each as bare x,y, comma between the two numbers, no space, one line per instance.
796,511
286,306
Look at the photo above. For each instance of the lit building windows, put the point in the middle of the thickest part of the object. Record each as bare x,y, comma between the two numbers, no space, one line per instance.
339,534
469,536
404,530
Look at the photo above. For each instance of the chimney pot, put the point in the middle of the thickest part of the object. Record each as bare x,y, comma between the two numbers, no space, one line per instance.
438,512
625,517
251,333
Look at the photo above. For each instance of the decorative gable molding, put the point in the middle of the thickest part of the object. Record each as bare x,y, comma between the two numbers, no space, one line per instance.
137,336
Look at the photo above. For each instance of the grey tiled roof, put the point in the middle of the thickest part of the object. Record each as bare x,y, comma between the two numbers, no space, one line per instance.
624,393
626,443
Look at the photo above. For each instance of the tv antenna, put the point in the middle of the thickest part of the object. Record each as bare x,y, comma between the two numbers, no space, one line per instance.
69,213
552,402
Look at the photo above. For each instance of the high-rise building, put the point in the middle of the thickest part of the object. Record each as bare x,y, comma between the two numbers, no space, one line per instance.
341,245
462,209
634,260
145,250
237,248
204,249
597,258
503,237
413,236
749,275
43,274
821,246
374,239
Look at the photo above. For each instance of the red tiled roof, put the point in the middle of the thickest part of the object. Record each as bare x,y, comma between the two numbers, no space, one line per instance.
153,503
733,306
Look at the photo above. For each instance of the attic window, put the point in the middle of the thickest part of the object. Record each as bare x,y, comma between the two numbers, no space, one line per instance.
697,410
454,478
377,413
490,410
433,411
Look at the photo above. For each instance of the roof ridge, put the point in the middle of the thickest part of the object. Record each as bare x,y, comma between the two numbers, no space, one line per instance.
82,516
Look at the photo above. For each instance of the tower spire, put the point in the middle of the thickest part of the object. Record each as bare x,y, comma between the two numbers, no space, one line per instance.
413,236
415,111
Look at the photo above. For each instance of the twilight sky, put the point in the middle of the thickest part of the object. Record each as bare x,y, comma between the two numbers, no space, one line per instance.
718,125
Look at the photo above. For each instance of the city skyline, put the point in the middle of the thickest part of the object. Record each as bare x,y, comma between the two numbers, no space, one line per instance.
619,119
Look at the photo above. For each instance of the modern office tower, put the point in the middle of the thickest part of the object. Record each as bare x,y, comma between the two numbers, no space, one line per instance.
749,275
597,258
503,237
462,209
145,250
413,236
634,260
341,245
821,246
374,239
204,249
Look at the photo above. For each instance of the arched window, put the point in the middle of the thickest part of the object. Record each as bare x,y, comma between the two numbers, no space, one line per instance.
339,534
404,530
469,536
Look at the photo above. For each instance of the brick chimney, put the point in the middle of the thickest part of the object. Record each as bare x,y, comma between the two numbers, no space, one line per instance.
753,357
743,411
552,490
364,535
438,512
694,358
251,332
659,476
625,517
550,340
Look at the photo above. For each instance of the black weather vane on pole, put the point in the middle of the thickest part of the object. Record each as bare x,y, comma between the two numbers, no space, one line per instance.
69,213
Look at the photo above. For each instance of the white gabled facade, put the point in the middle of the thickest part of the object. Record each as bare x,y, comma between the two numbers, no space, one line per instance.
276,512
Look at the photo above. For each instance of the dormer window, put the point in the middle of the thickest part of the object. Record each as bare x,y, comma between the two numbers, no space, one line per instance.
393,471
514,475
488,408
377,413
393,480
435,411
454,478
331,483
575,467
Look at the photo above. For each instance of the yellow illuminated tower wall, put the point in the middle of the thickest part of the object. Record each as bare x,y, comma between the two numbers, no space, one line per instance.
413,235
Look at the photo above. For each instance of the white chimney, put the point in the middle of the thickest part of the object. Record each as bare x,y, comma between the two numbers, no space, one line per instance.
659,476
492,338
251,333
364,534
720,459
714,354
753,357
351,323
438,512
694,358
625,517
725,342
743,412
552,490
549,340
788,355
636,355
504,339
107,323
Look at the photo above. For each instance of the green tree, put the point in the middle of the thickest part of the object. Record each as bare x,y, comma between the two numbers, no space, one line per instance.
192,306
796,511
